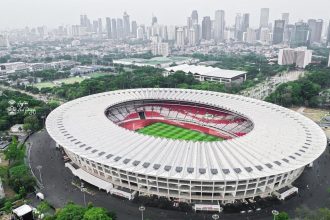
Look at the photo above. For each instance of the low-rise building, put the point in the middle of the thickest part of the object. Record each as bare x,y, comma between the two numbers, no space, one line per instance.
300,56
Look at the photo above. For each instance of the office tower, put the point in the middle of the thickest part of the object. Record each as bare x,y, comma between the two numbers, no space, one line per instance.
265,36
219,25
189,22
126,25
114,29
100,27
120,28
300,34
264,17
278,33
171,32
245,22
328,34
286,17
251,36
206,28
191,37
180,38
95,26
300,56
154,20
315,28
140,33
238,25
134,29
108,26
194,17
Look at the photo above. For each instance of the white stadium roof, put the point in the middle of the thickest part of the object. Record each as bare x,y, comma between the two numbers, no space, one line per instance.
281,140
207,71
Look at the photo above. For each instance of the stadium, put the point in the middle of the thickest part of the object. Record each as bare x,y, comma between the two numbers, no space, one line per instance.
186,145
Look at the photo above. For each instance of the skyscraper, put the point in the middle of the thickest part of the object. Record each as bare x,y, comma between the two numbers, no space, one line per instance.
140,33
300,34
238,27
286,18
194,17
154,20
219,25
100,26
245,22
315,28
180,38
191,37
134,29
126,25
108,26
114,29
206,28
120,29
328,34
264,17
251,36
278,32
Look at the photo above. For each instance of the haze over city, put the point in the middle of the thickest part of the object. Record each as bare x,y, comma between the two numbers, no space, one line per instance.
18,14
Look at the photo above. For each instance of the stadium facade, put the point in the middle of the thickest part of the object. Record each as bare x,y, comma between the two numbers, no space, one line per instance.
264,147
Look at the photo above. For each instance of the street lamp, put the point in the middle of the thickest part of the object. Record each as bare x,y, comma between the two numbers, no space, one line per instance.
275,213
142,209
39,169
215,216
82,188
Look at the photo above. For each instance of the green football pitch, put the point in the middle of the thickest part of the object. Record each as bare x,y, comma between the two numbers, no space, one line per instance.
164,130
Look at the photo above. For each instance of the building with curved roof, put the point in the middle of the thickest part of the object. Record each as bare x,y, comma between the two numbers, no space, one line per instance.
260,147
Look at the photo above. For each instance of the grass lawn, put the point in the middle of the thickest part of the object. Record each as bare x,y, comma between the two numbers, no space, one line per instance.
44,85
70,80
98,74
164,130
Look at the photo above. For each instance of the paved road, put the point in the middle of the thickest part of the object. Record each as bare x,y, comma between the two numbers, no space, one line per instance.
58,188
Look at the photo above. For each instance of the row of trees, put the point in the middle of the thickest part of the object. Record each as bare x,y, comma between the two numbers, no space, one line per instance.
304,91
73,211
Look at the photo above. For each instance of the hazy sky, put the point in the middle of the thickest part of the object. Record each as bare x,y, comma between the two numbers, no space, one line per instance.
21,13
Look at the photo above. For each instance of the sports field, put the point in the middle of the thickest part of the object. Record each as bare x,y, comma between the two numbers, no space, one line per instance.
164,130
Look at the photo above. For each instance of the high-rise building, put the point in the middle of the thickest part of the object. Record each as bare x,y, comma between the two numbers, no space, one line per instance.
264,17
219,25
278,32
95,26
251,36
315,30
180,37
160,49
300,56
108,26
192,37
100,28
114,29
286,18
140,33
154,20
4,42
194,17
245,22
126,25
238,27
134,29
265,36
206,28
189,22
328,34
120,28
300,34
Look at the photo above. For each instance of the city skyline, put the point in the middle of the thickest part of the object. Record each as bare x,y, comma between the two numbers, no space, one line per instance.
53,14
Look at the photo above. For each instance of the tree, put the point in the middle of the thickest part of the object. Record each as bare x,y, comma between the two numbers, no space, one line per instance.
96,214
14,151
31,123
71,212
282,216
